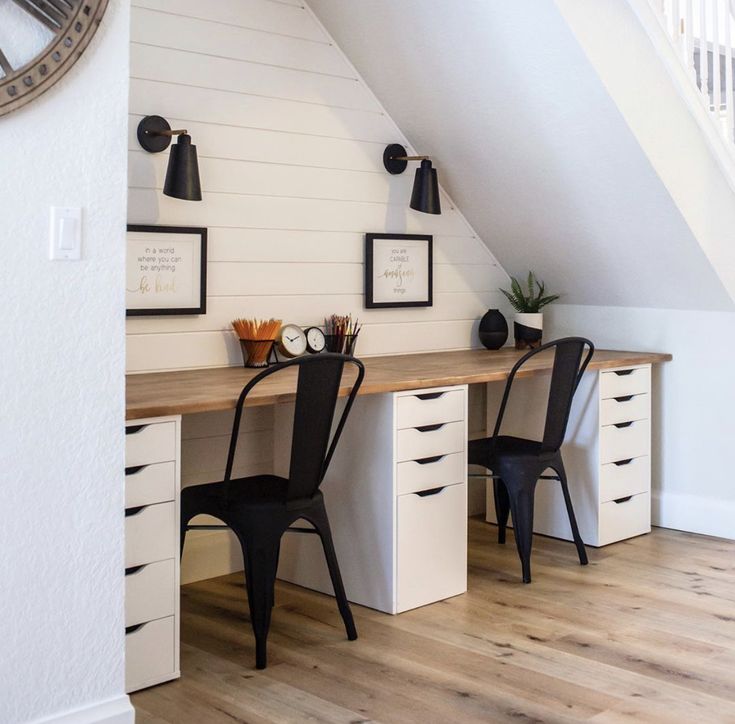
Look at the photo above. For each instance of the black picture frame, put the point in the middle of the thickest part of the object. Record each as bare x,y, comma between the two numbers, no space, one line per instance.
201,307
426,300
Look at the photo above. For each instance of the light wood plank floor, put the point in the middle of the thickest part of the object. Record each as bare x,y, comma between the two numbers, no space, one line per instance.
645,633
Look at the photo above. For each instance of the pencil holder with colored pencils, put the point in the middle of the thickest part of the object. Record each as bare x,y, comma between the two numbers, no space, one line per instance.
341,334
256,340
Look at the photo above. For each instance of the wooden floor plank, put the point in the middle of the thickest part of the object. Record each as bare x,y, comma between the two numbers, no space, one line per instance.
645,633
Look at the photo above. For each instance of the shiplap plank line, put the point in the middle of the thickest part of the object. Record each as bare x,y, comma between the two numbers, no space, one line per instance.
214,349
202,71
207,105
149,206
232,143
153,27
277,18
312,309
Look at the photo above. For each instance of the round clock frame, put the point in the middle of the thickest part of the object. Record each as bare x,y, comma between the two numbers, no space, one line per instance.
72,23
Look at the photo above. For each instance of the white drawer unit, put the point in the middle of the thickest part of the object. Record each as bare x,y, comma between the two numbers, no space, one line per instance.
151,653
437,439
396,493
607,455
152,484
431,546
151,442
147,484
150,534
150,591
431,472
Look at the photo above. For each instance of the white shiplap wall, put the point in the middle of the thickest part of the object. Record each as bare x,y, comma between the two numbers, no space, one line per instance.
290,142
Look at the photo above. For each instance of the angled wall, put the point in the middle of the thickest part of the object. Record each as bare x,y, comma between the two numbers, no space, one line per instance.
560,174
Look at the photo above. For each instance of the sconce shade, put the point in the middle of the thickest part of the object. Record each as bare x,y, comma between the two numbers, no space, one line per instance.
425,195
182,175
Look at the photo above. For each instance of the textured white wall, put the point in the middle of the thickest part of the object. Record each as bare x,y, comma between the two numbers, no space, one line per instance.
61,424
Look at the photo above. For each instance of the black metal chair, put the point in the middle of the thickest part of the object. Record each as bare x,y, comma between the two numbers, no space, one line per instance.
261,508
517,463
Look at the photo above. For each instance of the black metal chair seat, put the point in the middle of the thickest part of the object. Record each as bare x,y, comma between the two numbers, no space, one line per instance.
517,463
261,508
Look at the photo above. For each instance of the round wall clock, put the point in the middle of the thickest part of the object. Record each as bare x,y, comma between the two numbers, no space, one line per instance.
39,41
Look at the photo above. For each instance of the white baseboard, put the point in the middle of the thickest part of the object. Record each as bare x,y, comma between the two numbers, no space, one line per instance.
694,514
110,711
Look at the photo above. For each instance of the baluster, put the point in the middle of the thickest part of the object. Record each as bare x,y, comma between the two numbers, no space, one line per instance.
676,24
730,111
689,59
703,48
716,85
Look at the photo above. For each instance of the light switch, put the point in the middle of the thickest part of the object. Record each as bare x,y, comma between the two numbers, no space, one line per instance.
66,233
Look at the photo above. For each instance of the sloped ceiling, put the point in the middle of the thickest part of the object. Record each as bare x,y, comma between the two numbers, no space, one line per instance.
530,146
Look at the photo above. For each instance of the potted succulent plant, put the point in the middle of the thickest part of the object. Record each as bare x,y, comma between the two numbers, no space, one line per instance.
528,323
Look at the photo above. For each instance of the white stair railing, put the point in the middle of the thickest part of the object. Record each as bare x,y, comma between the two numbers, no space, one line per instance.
703,32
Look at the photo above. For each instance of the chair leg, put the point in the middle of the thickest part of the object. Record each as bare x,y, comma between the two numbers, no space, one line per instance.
261,561
321,522
578,542
502,507
521,508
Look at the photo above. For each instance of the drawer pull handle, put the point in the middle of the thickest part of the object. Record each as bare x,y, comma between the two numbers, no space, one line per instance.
133,570
623,424
620,463
428,461
430,395
133,511
135,469
431,491
617,501
623,373
624,398
134,429
133,629
430,428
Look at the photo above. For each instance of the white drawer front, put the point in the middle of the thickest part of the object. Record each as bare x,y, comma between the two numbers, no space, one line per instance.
624,409
148,484
150,534
432,547
621,443
413,475
429,408
625,519
414,444
153,443
150,592
636,381
627,477
150,653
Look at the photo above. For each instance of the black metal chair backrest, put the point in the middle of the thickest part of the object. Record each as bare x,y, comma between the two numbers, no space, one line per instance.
570,362
317,389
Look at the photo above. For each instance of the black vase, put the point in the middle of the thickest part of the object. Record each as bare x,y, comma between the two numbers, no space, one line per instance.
493,329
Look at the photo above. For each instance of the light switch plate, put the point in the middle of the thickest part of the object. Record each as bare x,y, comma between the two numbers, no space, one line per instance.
66,233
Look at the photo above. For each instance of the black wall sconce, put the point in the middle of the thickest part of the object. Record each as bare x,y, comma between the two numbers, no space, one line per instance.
182,174
425,194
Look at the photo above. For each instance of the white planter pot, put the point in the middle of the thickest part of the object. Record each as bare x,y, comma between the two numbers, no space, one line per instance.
528,329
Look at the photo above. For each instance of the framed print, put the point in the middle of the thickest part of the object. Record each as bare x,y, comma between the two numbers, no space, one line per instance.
398,270
166,270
